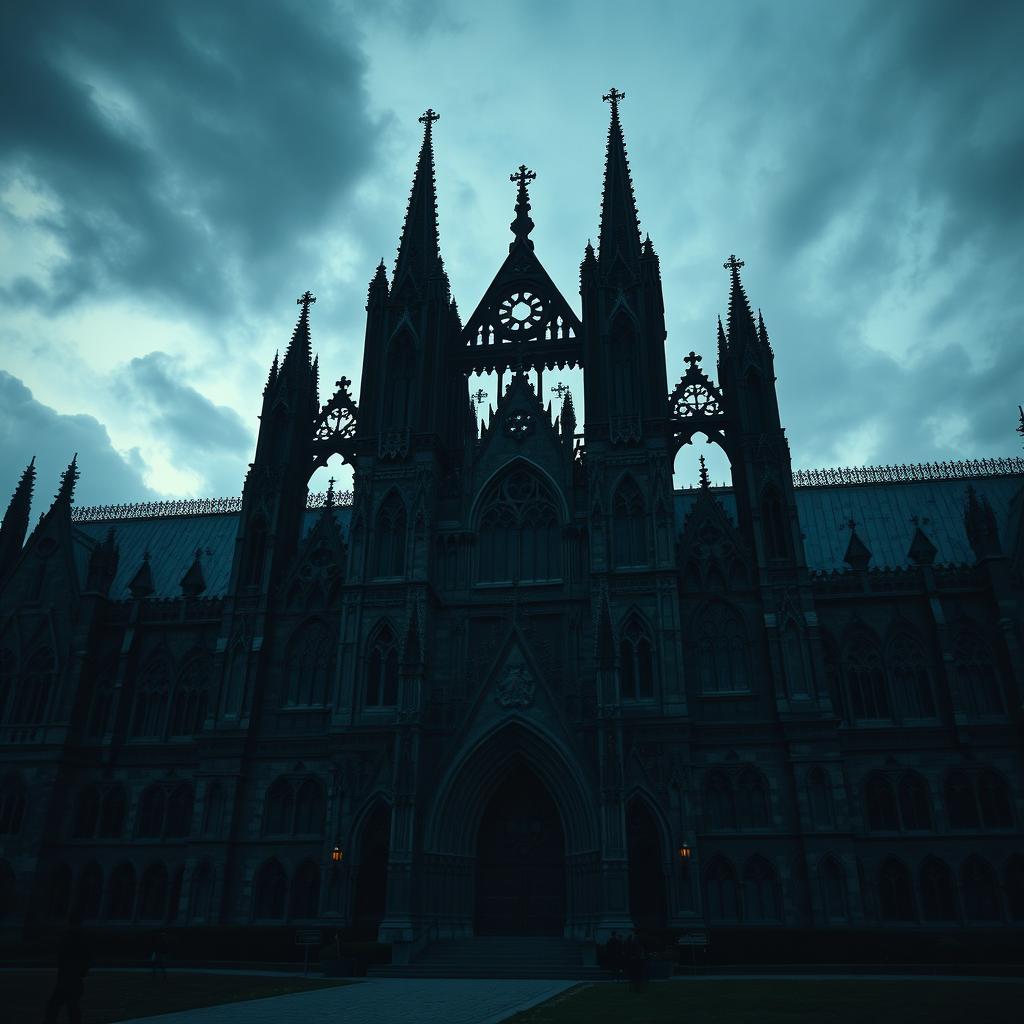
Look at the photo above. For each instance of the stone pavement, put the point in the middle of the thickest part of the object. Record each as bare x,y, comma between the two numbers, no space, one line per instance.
381,1001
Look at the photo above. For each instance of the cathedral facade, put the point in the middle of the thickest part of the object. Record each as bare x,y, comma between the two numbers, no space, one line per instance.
515,683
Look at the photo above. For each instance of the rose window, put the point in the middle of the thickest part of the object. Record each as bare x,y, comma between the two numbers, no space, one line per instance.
520,312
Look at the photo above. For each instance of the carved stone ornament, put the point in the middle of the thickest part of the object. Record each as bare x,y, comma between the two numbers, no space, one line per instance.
515,686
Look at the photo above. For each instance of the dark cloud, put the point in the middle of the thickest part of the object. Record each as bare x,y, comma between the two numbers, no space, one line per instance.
206,438
27,428
191,147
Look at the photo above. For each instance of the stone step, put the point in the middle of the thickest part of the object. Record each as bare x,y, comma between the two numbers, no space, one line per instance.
573,973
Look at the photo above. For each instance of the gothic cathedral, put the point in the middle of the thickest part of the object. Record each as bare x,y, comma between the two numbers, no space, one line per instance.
515,683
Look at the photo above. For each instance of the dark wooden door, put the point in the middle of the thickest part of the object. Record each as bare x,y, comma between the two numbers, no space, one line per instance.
521,862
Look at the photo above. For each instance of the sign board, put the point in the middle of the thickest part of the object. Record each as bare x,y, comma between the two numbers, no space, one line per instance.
692,939
307,936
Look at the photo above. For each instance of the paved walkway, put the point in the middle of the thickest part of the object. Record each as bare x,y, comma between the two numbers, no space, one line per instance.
381,1001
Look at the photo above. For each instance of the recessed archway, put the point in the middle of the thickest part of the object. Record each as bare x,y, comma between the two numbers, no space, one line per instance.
647,891
686,464
371,871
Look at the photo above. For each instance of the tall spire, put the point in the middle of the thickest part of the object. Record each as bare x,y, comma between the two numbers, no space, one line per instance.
620,226
522,225
742,329
299,354
15,521
66,492
419,249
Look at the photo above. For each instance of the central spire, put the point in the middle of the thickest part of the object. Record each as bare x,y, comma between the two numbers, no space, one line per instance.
620,226
419,249
522,225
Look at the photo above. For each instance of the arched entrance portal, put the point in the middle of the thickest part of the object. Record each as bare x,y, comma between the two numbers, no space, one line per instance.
371,876
647,901
520,886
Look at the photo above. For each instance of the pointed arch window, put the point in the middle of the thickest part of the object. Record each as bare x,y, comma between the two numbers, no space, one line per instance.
152,692
774,525
636,662
880,802
938,894
910,677
980,891
762,900
752,800
961,806
719,802
798,677
113,812
868,694
629,517
270,891
994,801
188,708
278,809
382,669
28,706
309,666
122,893
915,807
152,808
720,896
721,650
13,795
520,531
895,892
833,886
87,810
306,890
398,383
819,789
624,355
977,675
390,537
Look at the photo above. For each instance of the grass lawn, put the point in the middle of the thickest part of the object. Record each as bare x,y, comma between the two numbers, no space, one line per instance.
786,1002
112,996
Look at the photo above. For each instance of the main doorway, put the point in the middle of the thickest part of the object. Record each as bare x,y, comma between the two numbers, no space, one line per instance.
370,891
520,886
647,904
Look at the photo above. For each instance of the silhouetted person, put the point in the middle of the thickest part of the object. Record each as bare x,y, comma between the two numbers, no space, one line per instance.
74,958
158,958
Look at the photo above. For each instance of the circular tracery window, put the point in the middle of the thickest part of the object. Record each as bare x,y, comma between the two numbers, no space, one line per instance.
520,311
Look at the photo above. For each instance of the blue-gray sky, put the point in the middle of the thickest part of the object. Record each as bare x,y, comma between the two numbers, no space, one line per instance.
173,175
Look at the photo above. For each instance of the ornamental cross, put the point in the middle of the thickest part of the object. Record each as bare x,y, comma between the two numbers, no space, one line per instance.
479,396
344,383
305,300
733,264
693,359
523,175
613,96
428,117
560,389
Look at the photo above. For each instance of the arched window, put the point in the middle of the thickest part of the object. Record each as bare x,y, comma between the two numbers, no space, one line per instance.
994,801
719,806
895,893
752,800
636,662
112,812
761,898
881,804
629,514
865,677
213,810
773,522
961,807
720,891
202,892
520,532
398,383
188,708
938,894
833,889
87,810
721,650
151,696
382,669
12,805
306,890
151,813
309,808
179,811
153,893
278,810
29,704
819,791
271,891
122,893
309,666
915,807
58,896
89,892
390,537
833,674
981,893
8,890
910,678
1015,886
977,675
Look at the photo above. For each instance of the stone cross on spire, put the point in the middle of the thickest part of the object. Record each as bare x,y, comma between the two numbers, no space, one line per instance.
733,264
693,359
523,175
305,300
522,225
613,96
428,117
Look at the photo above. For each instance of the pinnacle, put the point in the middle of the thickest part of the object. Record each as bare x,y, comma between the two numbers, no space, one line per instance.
299,348
620,225
741,318
68,479
419,248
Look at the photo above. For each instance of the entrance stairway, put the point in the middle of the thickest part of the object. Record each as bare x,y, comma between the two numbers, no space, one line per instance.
496,957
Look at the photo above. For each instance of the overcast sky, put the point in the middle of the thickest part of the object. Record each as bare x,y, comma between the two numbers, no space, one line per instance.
174,175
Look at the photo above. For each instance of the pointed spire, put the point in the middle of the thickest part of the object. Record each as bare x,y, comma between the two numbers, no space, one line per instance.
299,354
193,583
66,492
723,345
15,521
329,497
419,249
568,418
620,226
141,584
857,554
762,332
377,291
522,225
272,376
705,482
742,330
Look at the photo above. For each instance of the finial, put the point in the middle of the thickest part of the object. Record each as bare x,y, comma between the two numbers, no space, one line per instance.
428,117
733,264
705,483
522,225
613,96
329,497
523,175
560,389
693,359
305,300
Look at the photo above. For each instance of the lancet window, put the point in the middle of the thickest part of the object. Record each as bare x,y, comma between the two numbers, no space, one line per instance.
865,677
520,531
390,537
624,353
636,662
382,669
721,650
152,692
977,674
910,678
188,707
308,666
398,383
629,512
